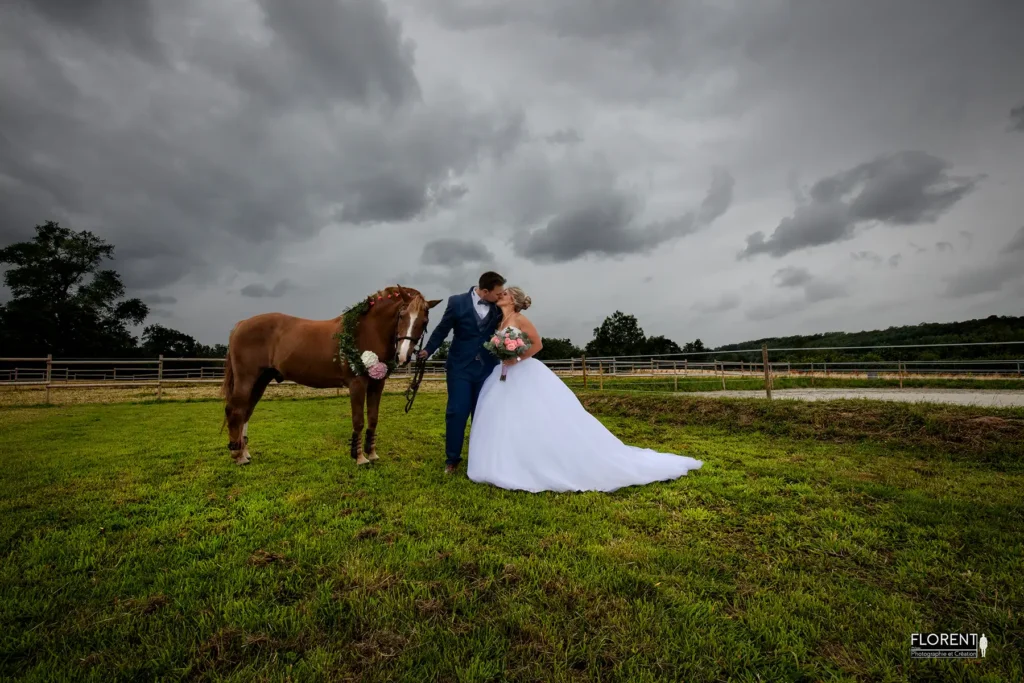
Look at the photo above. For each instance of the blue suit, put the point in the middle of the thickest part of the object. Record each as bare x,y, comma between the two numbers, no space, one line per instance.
468,364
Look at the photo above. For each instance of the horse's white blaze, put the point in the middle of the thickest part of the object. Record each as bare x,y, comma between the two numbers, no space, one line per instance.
403,347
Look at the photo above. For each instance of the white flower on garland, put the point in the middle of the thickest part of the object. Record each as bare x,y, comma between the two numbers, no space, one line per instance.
369,359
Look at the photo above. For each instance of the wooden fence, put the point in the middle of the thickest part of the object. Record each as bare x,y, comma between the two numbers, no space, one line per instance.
161,372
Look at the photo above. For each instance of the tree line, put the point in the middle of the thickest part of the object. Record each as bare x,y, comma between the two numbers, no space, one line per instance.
66,303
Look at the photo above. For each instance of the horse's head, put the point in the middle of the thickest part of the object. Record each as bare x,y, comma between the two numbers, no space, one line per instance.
412,322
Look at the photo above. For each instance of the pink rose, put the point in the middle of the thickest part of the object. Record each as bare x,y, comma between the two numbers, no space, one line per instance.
495,341
378,371
520,343
510,344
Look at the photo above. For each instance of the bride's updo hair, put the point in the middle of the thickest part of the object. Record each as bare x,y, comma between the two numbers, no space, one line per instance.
519,298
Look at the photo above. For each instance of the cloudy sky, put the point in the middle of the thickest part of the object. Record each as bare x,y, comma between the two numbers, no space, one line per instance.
722,169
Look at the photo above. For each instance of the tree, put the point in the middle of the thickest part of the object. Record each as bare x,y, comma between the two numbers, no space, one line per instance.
157,340
558,349
442,350
618,335
661,346
62,301
695,346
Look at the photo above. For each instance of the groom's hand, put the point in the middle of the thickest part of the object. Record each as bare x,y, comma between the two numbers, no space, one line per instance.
422,354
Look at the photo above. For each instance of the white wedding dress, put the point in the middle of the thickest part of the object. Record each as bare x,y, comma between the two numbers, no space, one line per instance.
531,433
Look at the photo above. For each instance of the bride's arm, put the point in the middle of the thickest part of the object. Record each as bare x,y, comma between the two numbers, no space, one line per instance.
530,331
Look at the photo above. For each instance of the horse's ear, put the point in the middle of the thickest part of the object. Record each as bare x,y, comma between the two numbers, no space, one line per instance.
432,303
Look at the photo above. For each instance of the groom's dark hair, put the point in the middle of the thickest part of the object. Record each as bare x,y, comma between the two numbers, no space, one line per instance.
490,280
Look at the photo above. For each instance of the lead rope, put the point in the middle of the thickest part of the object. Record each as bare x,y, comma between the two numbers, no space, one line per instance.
417,375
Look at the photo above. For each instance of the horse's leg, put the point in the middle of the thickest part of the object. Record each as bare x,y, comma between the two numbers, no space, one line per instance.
373,393
254,397
236,411
357,396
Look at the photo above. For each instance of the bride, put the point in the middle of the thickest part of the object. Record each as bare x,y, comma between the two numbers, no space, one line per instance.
531,432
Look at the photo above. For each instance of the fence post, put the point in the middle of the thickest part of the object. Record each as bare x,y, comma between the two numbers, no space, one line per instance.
600,375
583,363
160,378
722,366
49,374
899,365
767,371
1018,369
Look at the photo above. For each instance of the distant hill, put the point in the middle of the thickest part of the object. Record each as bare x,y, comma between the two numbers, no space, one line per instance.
994,328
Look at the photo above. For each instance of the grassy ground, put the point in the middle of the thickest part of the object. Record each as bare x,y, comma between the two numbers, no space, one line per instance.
814,541
685,384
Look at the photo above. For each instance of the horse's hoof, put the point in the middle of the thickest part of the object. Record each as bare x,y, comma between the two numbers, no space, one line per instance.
373,456
242,459
361,460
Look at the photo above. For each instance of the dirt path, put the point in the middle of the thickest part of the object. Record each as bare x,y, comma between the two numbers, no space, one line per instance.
966,397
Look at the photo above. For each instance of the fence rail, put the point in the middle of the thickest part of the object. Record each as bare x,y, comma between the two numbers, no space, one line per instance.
50,373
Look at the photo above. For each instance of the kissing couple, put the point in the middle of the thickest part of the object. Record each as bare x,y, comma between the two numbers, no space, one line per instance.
530,432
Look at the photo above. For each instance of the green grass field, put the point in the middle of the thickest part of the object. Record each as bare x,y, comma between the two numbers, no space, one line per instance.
814,541
710,383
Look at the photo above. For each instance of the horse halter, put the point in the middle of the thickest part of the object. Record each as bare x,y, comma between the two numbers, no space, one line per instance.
415,340
421,363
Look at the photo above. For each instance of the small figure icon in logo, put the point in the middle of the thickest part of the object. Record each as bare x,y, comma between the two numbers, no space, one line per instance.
983,643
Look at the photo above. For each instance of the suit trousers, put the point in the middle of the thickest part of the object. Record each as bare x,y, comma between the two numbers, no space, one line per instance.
463,389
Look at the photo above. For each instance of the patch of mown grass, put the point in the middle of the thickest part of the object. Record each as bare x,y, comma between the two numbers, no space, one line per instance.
134,549
992,435
666,383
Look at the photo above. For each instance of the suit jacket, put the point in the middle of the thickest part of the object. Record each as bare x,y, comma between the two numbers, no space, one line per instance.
471,332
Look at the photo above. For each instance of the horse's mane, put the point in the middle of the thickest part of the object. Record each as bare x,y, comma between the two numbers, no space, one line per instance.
386,291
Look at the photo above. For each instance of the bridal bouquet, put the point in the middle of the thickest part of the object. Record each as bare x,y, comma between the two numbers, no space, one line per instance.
508,343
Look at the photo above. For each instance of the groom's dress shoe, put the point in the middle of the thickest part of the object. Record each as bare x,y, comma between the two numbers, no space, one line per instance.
449,469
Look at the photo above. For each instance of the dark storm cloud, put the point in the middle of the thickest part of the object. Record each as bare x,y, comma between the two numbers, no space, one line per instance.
351,50
566,136
866,256
815,289
792,276
726,302
1017,243
453,252
158,299
1005,267
241,147
990,278
904,188
261,291
1017,118
602,224
129,25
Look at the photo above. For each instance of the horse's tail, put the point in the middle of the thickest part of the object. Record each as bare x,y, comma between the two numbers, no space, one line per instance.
227,387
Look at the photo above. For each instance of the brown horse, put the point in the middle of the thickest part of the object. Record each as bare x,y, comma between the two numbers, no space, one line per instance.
279,347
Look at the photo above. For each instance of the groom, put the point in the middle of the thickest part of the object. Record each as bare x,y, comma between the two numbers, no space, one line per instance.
474,317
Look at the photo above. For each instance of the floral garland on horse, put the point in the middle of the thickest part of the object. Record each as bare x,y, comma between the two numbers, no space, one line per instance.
365,362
